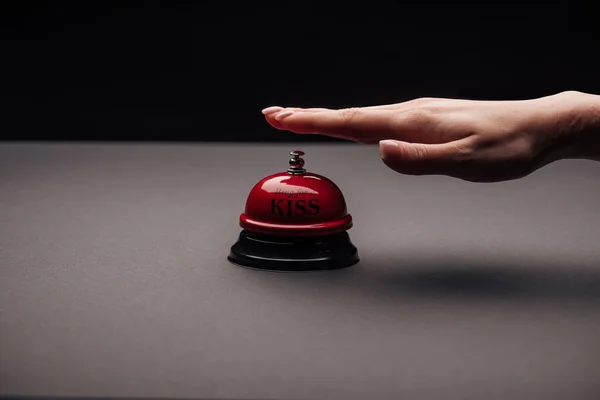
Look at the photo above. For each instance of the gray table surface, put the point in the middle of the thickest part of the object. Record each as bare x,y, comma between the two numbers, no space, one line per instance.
114,280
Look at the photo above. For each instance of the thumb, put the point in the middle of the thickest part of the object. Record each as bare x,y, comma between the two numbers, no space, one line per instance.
419,158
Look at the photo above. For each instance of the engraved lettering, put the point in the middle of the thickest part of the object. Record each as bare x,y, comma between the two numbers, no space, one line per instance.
314,205
291,194
297,208
300,207
275,205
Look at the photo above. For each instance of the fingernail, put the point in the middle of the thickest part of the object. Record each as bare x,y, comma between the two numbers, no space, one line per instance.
388,143
283,114
383,144
271,110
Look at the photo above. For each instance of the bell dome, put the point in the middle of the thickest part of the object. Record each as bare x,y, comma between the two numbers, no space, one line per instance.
295,203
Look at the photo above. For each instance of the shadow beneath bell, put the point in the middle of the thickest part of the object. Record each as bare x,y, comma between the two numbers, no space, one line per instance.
468,279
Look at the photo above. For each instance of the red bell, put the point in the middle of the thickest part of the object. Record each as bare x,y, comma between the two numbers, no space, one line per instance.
295,221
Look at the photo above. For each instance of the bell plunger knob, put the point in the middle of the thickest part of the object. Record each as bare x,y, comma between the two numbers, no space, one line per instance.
296,163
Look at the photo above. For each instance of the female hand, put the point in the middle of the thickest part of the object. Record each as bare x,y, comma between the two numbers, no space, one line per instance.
479,141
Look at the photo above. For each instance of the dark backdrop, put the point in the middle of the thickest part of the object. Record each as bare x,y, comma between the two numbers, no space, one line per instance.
203,70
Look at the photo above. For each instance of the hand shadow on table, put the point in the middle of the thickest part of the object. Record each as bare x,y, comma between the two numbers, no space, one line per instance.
464,278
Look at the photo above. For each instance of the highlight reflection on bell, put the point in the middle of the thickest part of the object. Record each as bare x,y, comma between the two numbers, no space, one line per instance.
295,221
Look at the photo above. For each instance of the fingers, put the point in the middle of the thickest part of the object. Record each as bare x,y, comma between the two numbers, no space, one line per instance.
354,124
364,125
276,109
275,116
424,159
396,106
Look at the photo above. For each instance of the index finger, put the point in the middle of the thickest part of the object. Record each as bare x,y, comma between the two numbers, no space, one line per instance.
356,124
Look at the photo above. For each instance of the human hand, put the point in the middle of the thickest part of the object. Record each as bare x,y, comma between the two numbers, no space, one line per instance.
479,141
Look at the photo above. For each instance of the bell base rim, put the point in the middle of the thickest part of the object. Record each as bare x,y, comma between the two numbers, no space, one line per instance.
339,225
263,252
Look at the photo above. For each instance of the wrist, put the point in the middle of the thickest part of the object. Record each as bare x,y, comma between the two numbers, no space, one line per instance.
564,126
578,125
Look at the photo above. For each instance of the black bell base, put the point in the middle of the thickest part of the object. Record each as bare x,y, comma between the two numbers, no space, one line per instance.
293,254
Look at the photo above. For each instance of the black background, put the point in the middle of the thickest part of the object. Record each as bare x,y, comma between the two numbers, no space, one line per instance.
202,70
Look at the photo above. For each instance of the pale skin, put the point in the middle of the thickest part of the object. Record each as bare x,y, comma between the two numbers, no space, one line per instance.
477,141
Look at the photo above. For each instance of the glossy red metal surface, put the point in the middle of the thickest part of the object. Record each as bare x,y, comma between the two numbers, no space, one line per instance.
296,205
